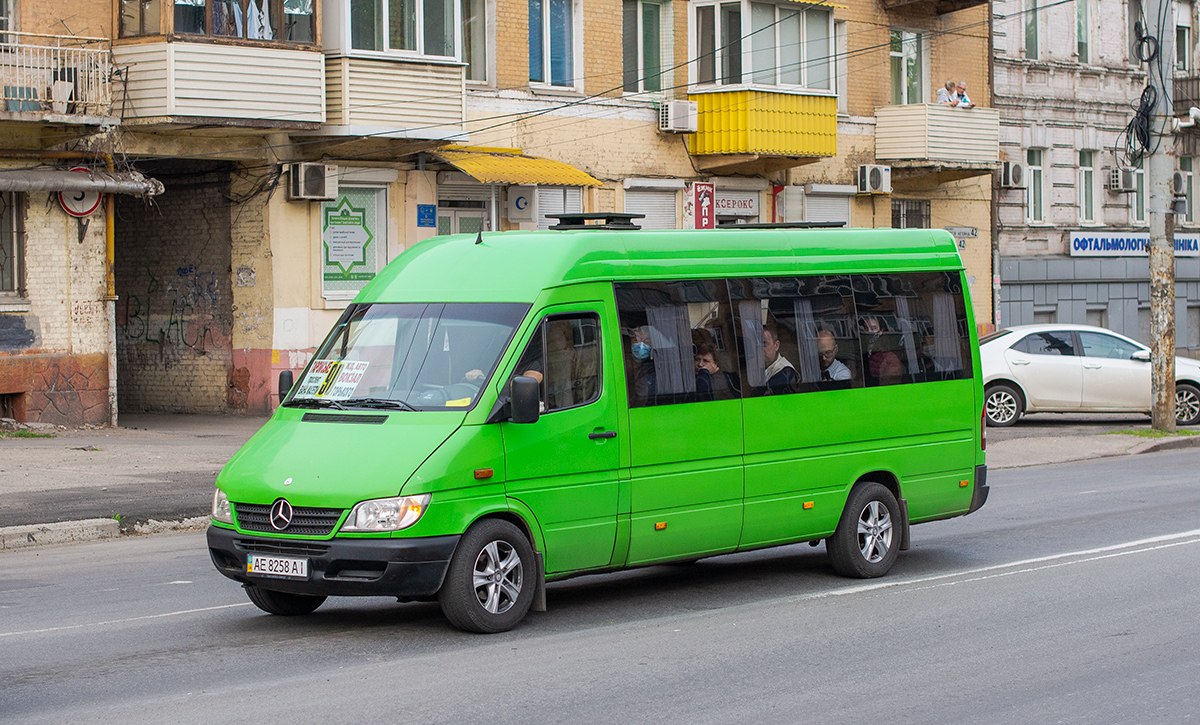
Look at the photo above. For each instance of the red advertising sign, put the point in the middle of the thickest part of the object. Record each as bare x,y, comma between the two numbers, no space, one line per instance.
704,202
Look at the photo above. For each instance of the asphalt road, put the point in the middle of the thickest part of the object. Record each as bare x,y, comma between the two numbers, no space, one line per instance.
1070,598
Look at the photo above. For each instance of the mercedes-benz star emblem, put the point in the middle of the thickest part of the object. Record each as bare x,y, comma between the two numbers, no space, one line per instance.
281,514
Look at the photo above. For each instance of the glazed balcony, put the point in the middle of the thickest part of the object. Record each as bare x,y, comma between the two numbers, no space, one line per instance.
923,139
55,78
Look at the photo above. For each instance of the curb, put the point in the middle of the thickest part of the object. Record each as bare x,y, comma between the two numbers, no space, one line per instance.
70,532
65,532
1166,444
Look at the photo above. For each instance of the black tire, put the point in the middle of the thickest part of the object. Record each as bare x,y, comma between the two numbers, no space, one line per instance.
1187,404
1003,405
868,535
282,603
503,595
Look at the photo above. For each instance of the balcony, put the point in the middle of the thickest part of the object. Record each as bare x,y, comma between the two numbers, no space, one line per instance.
1185,93
55,79
181,83
927,8
756,132
394,98
930,144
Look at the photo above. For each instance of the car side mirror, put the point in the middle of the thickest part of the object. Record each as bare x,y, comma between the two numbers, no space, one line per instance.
1141,356
525,400
286,381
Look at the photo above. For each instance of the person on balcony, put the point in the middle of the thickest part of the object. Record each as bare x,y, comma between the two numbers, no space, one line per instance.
944,94
960,96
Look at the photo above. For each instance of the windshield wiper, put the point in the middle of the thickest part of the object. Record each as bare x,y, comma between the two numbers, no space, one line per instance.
313,403
384,403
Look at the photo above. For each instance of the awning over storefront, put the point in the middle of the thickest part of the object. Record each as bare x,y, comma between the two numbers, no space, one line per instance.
105,182
510,166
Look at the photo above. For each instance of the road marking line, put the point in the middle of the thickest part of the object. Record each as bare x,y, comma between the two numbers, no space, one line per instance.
123,621
1193,534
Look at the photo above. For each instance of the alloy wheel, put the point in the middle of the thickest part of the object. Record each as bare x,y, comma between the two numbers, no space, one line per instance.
498,577
1001,407
874,531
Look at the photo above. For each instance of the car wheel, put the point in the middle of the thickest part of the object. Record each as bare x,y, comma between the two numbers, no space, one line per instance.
1003,405
867,538
1187,404
283,603
491,580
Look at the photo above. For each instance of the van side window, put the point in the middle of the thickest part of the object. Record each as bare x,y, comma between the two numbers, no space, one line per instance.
564,356
677,342
798,333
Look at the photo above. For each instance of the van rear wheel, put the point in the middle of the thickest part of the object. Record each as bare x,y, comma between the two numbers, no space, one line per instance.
490,583
867,538
283,603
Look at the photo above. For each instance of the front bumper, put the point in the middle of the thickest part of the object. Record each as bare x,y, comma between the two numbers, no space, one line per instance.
979,497
404,568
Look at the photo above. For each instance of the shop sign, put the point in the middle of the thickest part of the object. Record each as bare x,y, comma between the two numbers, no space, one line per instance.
522,203
704,209
347,236
426,215
737,205
1127,244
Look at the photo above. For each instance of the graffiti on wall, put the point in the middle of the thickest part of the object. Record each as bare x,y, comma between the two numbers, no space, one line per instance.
179,314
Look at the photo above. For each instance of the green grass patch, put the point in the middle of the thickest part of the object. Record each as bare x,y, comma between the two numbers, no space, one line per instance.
1151,433
24,434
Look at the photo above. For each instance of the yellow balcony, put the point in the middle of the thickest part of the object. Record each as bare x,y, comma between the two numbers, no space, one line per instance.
928,140
753,131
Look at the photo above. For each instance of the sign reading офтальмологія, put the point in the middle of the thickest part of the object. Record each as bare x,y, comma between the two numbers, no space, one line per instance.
1127,244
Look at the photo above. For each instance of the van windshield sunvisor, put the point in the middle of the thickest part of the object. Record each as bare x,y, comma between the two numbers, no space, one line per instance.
411,356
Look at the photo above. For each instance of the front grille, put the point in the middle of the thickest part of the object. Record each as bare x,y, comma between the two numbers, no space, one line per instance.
305,521
291,548
344,418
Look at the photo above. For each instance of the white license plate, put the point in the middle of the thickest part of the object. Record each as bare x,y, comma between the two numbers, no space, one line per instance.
279,566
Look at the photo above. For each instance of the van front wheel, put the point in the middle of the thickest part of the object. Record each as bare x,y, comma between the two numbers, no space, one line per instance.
868,535
283,603
489,585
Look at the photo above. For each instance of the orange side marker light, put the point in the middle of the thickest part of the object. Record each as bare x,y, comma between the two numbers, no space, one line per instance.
659,526
809,504
964,484
482,473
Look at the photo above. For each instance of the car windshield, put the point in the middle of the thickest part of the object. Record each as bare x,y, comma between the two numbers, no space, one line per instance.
408,356
993,336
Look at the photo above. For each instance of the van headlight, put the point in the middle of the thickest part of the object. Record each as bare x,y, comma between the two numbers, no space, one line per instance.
387,514
220,508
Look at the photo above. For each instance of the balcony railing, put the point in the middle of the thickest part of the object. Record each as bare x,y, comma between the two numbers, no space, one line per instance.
55,74
935,135
785,125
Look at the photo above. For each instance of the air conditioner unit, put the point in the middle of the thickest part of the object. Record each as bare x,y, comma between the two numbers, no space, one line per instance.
874,179
1122,180
1012,175
1178,184
312,181
677,116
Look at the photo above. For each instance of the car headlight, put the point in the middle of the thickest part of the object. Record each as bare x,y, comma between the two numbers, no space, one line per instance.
220,508
387,514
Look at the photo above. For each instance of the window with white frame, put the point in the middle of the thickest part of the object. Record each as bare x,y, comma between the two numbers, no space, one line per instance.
1137,213
1185,168
766,44
11,252
552,42
1031,29
420,27
1183,36
1082,31
642,45
908,76
1086,185
1035,174
474,38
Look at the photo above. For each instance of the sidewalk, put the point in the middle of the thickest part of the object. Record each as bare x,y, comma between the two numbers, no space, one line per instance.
86,484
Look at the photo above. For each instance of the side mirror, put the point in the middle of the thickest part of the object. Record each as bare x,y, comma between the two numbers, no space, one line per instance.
525,400
1141,356
286,381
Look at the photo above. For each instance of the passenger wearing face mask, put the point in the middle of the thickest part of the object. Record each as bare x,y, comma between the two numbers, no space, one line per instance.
645,384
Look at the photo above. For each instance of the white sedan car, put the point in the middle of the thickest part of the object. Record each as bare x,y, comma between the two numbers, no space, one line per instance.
1075,368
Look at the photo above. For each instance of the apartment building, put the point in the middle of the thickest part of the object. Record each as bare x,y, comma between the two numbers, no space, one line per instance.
1067,78
272,155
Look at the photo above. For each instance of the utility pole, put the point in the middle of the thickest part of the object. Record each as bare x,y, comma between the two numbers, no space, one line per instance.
1160,167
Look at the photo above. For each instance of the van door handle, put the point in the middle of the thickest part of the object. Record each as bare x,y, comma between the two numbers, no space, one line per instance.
603,434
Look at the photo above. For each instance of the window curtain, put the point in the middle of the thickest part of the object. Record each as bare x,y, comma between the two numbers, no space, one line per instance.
671,340
750,313
806,340
947,354
904,321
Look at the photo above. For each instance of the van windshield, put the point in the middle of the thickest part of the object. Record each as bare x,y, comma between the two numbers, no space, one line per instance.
408,356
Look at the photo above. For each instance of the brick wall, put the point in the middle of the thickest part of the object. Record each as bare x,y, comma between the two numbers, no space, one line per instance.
173,275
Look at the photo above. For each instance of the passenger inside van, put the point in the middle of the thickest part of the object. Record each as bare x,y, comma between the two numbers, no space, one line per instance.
712,383
780,374
883,366
827,349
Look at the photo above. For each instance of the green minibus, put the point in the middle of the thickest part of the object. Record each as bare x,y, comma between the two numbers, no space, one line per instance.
496,411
